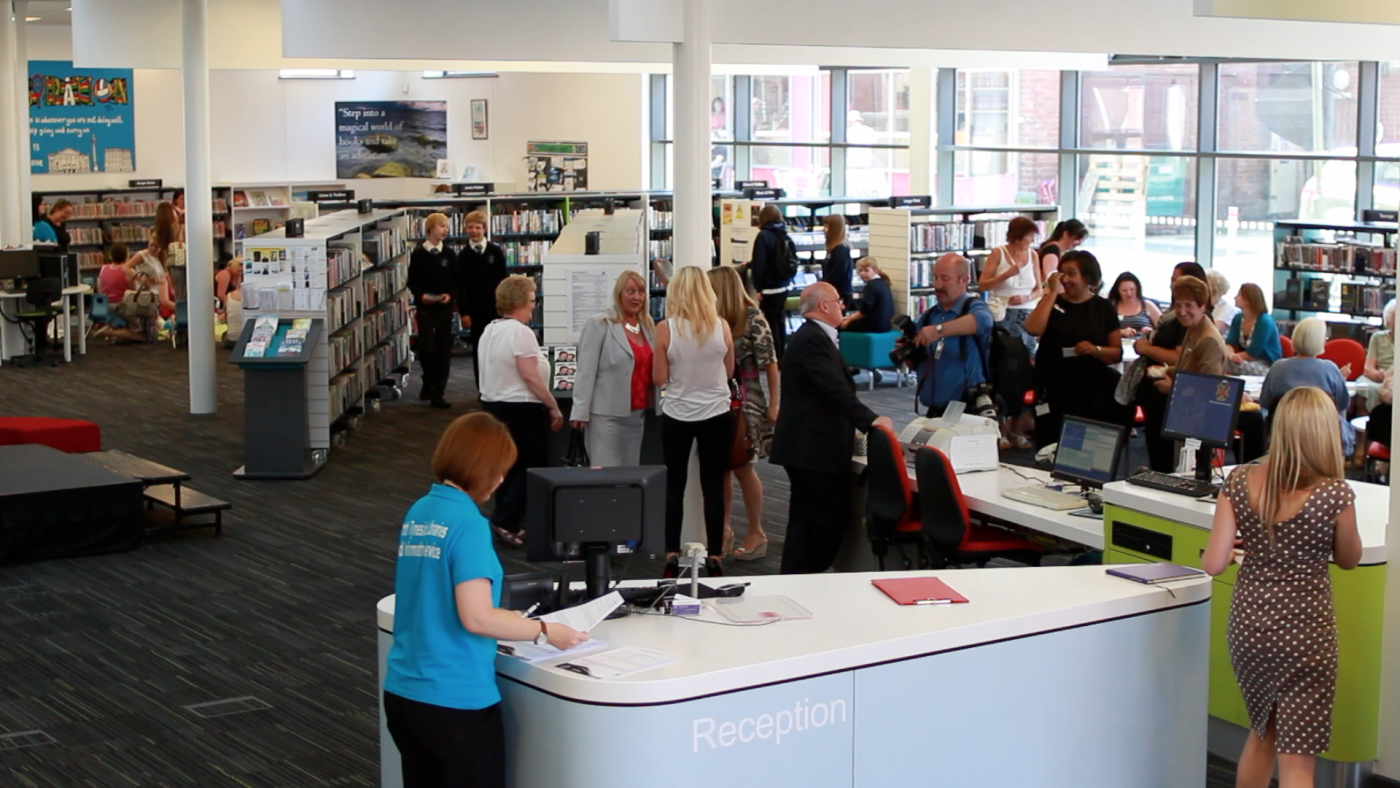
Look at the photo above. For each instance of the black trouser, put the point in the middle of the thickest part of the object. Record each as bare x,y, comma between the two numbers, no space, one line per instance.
439,747
1253,435
774,308
1378,428
1161,452
712,438
819,509
434,349
528,423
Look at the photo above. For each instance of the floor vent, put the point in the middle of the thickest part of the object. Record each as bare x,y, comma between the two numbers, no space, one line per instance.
223,708
16,741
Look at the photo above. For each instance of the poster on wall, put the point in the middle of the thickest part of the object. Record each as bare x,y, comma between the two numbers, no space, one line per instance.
389,139
556,166
80,120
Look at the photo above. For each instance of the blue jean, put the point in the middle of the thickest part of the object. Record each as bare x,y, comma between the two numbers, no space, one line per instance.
1015,323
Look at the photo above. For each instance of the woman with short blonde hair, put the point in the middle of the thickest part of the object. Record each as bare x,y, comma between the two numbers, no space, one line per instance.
694,359
836,268
754,359
1291,517
614,389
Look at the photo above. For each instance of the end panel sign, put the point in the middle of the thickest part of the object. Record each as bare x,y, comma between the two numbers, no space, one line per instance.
80,120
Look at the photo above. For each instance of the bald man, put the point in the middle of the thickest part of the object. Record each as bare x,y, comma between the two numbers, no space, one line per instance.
955,333
815,434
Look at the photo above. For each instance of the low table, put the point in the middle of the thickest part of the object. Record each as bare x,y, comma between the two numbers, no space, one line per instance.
164,485
55,505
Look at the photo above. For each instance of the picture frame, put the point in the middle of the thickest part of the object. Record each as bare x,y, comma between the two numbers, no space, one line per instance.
480,129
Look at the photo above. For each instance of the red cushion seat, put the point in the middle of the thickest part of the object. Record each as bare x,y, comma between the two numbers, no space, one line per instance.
1378,451
988,539
67,435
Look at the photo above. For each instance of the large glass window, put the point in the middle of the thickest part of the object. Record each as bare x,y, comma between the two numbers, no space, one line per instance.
1288,107
1140,107
799,170
1140,211
877,114
1006,108
791,109
1386,191
1006,178
722,129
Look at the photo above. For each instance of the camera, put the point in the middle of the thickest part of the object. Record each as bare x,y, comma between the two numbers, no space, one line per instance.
982,400
906,352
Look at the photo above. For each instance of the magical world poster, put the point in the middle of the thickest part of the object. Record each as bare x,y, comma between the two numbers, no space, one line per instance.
389,139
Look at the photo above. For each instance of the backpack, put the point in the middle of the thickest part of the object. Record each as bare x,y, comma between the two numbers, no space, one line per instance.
785,263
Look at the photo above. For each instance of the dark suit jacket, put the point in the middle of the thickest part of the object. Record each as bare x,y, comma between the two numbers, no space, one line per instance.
819,411
478,275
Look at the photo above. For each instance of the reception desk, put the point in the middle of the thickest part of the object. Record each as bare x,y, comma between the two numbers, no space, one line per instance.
869,693
1141,524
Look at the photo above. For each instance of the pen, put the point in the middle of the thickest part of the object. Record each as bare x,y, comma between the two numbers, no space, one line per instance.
933,601
530,610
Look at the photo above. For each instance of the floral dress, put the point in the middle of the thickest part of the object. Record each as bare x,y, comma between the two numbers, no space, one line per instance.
753,352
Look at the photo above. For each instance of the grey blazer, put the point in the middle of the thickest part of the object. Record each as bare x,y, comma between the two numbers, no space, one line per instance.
605,360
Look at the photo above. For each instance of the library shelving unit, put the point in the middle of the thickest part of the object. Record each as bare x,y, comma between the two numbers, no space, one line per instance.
1341,272
907,241
575,286
105,216
350,270
260,208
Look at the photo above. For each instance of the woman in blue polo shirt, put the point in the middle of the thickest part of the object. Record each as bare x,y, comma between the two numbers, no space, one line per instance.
440,696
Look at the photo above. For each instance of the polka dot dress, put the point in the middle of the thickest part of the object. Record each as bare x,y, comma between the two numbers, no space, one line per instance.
1283,631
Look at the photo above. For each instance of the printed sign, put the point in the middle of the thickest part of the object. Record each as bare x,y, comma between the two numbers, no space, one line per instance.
80,120
389,139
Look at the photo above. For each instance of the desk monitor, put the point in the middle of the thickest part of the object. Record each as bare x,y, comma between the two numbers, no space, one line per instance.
591,514
1088,452
19,264
1203,407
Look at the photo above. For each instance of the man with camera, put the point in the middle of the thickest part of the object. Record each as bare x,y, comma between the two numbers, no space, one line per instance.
948,347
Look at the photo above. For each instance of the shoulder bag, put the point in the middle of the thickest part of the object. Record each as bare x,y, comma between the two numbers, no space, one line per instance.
741,445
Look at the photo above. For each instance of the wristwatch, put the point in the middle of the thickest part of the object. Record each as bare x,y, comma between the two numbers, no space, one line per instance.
542,638
939,326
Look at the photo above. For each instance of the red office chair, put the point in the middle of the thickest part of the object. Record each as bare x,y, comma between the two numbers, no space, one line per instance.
1287,346
891,509
949,535
1346,351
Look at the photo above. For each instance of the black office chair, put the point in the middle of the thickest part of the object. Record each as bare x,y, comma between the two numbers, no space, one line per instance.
39,297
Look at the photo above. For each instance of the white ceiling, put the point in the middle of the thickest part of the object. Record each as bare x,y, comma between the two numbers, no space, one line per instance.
50,12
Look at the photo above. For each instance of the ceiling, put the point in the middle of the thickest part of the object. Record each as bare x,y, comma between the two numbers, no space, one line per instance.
50,12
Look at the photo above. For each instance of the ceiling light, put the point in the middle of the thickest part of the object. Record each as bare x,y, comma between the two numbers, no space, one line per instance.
459,74
316,73
32,18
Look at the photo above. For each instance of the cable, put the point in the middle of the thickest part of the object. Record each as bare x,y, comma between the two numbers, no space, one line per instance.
1012,468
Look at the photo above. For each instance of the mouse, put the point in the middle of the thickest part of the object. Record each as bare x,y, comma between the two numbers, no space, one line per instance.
1095,503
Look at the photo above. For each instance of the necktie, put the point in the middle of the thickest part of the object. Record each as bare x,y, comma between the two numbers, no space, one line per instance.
478,248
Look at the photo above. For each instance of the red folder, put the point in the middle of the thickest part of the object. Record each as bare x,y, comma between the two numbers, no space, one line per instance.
918,591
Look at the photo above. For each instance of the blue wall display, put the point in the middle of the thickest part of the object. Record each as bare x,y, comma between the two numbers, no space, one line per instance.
80,120
389,139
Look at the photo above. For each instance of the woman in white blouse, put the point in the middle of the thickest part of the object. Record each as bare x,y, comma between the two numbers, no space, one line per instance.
1011,279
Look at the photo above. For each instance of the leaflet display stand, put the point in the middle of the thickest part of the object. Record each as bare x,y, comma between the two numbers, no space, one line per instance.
276,443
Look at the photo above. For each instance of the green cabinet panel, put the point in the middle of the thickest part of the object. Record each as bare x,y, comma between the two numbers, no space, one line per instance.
1226,701
1188,542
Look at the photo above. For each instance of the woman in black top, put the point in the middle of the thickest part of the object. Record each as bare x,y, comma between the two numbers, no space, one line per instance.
768,267
836,268
1067,235
876,308
1080,341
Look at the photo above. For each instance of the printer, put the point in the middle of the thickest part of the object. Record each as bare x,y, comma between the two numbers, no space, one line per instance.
969,442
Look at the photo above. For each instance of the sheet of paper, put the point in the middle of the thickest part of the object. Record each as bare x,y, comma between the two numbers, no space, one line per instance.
586,616
529,652
623,661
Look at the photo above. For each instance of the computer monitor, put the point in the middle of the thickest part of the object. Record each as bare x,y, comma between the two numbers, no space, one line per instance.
591,514
1088,452
1204,408
19,264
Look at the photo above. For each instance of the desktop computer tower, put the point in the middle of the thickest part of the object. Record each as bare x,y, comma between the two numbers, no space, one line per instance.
63,267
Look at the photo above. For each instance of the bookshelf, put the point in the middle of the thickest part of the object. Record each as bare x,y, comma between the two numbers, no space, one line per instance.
259,208
1343,273
907,241
350,270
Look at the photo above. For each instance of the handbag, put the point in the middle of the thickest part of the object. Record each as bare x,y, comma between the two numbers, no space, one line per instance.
741,444
577,455
140,303
998,306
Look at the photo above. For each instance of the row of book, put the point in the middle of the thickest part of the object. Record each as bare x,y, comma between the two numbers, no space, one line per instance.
346,391
384,283
942,236
383,320
1339,257
539,220
384,244
660,220
343,348
525,252
923,303
659,248
91,260
1314,294
386,357
341,266
342,307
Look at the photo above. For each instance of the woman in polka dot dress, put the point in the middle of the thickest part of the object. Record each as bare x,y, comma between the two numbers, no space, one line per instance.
1283,520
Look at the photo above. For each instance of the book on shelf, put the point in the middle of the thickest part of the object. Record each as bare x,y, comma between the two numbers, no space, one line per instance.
1319,293
240,199
1340,257
261,226
258,198
276,200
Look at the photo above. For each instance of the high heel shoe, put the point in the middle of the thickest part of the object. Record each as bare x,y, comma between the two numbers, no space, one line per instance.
673,568
713,568
740,554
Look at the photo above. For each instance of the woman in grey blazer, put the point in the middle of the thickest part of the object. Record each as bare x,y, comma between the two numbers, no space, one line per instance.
613,388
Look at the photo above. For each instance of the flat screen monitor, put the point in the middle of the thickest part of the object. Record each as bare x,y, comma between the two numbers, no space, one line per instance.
591,514
1203,407
1088,452
19,264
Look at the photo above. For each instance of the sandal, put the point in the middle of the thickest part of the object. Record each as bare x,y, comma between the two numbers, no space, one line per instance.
512,538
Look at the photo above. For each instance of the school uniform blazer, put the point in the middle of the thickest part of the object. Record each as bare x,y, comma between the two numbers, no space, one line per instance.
605,359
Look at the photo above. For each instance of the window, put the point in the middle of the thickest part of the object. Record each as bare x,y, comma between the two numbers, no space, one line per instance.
1140,211
1006,178
1140,107
791,108
877,113
800,171
721,129
1288,107
1004,108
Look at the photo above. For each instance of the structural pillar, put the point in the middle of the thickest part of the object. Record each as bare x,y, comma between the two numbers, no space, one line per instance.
15,213
22,147
690,81
923,130
199,208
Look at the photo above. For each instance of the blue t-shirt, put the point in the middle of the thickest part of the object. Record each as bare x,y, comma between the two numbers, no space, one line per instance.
444,541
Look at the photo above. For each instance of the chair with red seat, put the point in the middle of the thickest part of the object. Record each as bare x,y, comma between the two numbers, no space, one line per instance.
949,535
1377,453
1287,346
891,508
67,435
1346,351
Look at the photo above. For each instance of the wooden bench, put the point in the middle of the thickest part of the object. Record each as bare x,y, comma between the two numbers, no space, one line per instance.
184,503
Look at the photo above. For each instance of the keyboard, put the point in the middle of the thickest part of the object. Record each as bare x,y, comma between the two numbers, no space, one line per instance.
1044,497
1166,482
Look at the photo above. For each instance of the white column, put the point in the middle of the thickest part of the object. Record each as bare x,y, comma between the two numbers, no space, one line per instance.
199,209
26,182
15,212
923,129
690,81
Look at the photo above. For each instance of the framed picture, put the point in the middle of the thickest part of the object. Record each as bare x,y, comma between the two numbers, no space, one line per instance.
479,127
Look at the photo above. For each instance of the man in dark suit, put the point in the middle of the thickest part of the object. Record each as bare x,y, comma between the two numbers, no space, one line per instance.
815,434
481,266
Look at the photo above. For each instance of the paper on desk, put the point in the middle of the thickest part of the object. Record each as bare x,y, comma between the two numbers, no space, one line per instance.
529,652
586,616
623,661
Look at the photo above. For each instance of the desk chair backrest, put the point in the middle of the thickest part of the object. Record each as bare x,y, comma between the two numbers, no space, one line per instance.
101,311
1287,345
1346,351
41,293
890,495
944,510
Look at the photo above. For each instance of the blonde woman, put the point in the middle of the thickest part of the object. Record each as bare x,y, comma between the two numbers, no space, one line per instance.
754,359
836,268
694,359
614,388
1288,517
514,389
876,308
